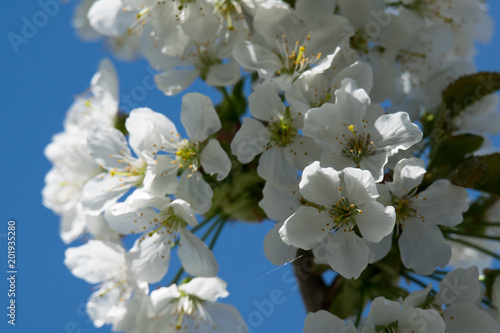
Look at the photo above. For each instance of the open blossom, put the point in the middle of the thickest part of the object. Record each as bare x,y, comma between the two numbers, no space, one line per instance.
421,243
284,150
209,59
160,221
73,164
192,307
357,133
190,157
460,292
105,264
338,203
391,316
290,47
121,169
99,106
457,302
312,91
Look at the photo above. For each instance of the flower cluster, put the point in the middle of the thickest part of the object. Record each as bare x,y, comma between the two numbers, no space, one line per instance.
350,101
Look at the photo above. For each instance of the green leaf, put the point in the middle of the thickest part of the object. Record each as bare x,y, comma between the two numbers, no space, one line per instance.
454,149
479,173
469,89
462,93
490,276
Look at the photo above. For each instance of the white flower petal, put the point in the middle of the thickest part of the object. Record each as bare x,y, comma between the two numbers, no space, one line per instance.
348,253
199,117
109,18
226,318
206,288
94,261
277,251
125,219
383,312
196,257
164,176
275,167
375,221
326,322
279,202
214,160
149,130
175,81
224,74
396,131
306,228
109,148
379,250
460,286
442,203
150,257
105,87
265,104
250,140
468,318
360,185
423,247
320,185
104,190
195,190
182,209
256,57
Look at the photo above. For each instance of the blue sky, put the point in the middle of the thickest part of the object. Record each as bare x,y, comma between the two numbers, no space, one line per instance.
39,78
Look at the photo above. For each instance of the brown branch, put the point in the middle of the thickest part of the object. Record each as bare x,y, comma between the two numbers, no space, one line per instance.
311,285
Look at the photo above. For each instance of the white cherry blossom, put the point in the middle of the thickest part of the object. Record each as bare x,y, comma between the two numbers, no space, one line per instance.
337,203
357,132
192,307
105,264
160,222
289,47
421,243
275,134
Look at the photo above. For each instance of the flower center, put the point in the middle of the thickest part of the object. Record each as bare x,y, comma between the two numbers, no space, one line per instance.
391,328
358,146
295,59
282,131
190,305
133,169
187,155
343,214
170,221
228,8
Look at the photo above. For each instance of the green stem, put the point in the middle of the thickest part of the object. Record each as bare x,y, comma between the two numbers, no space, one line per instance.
434,277
177,276
224,92
203,223
440,272
361,306
478,224
474,246
212,227
463,233
415,280
217,233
